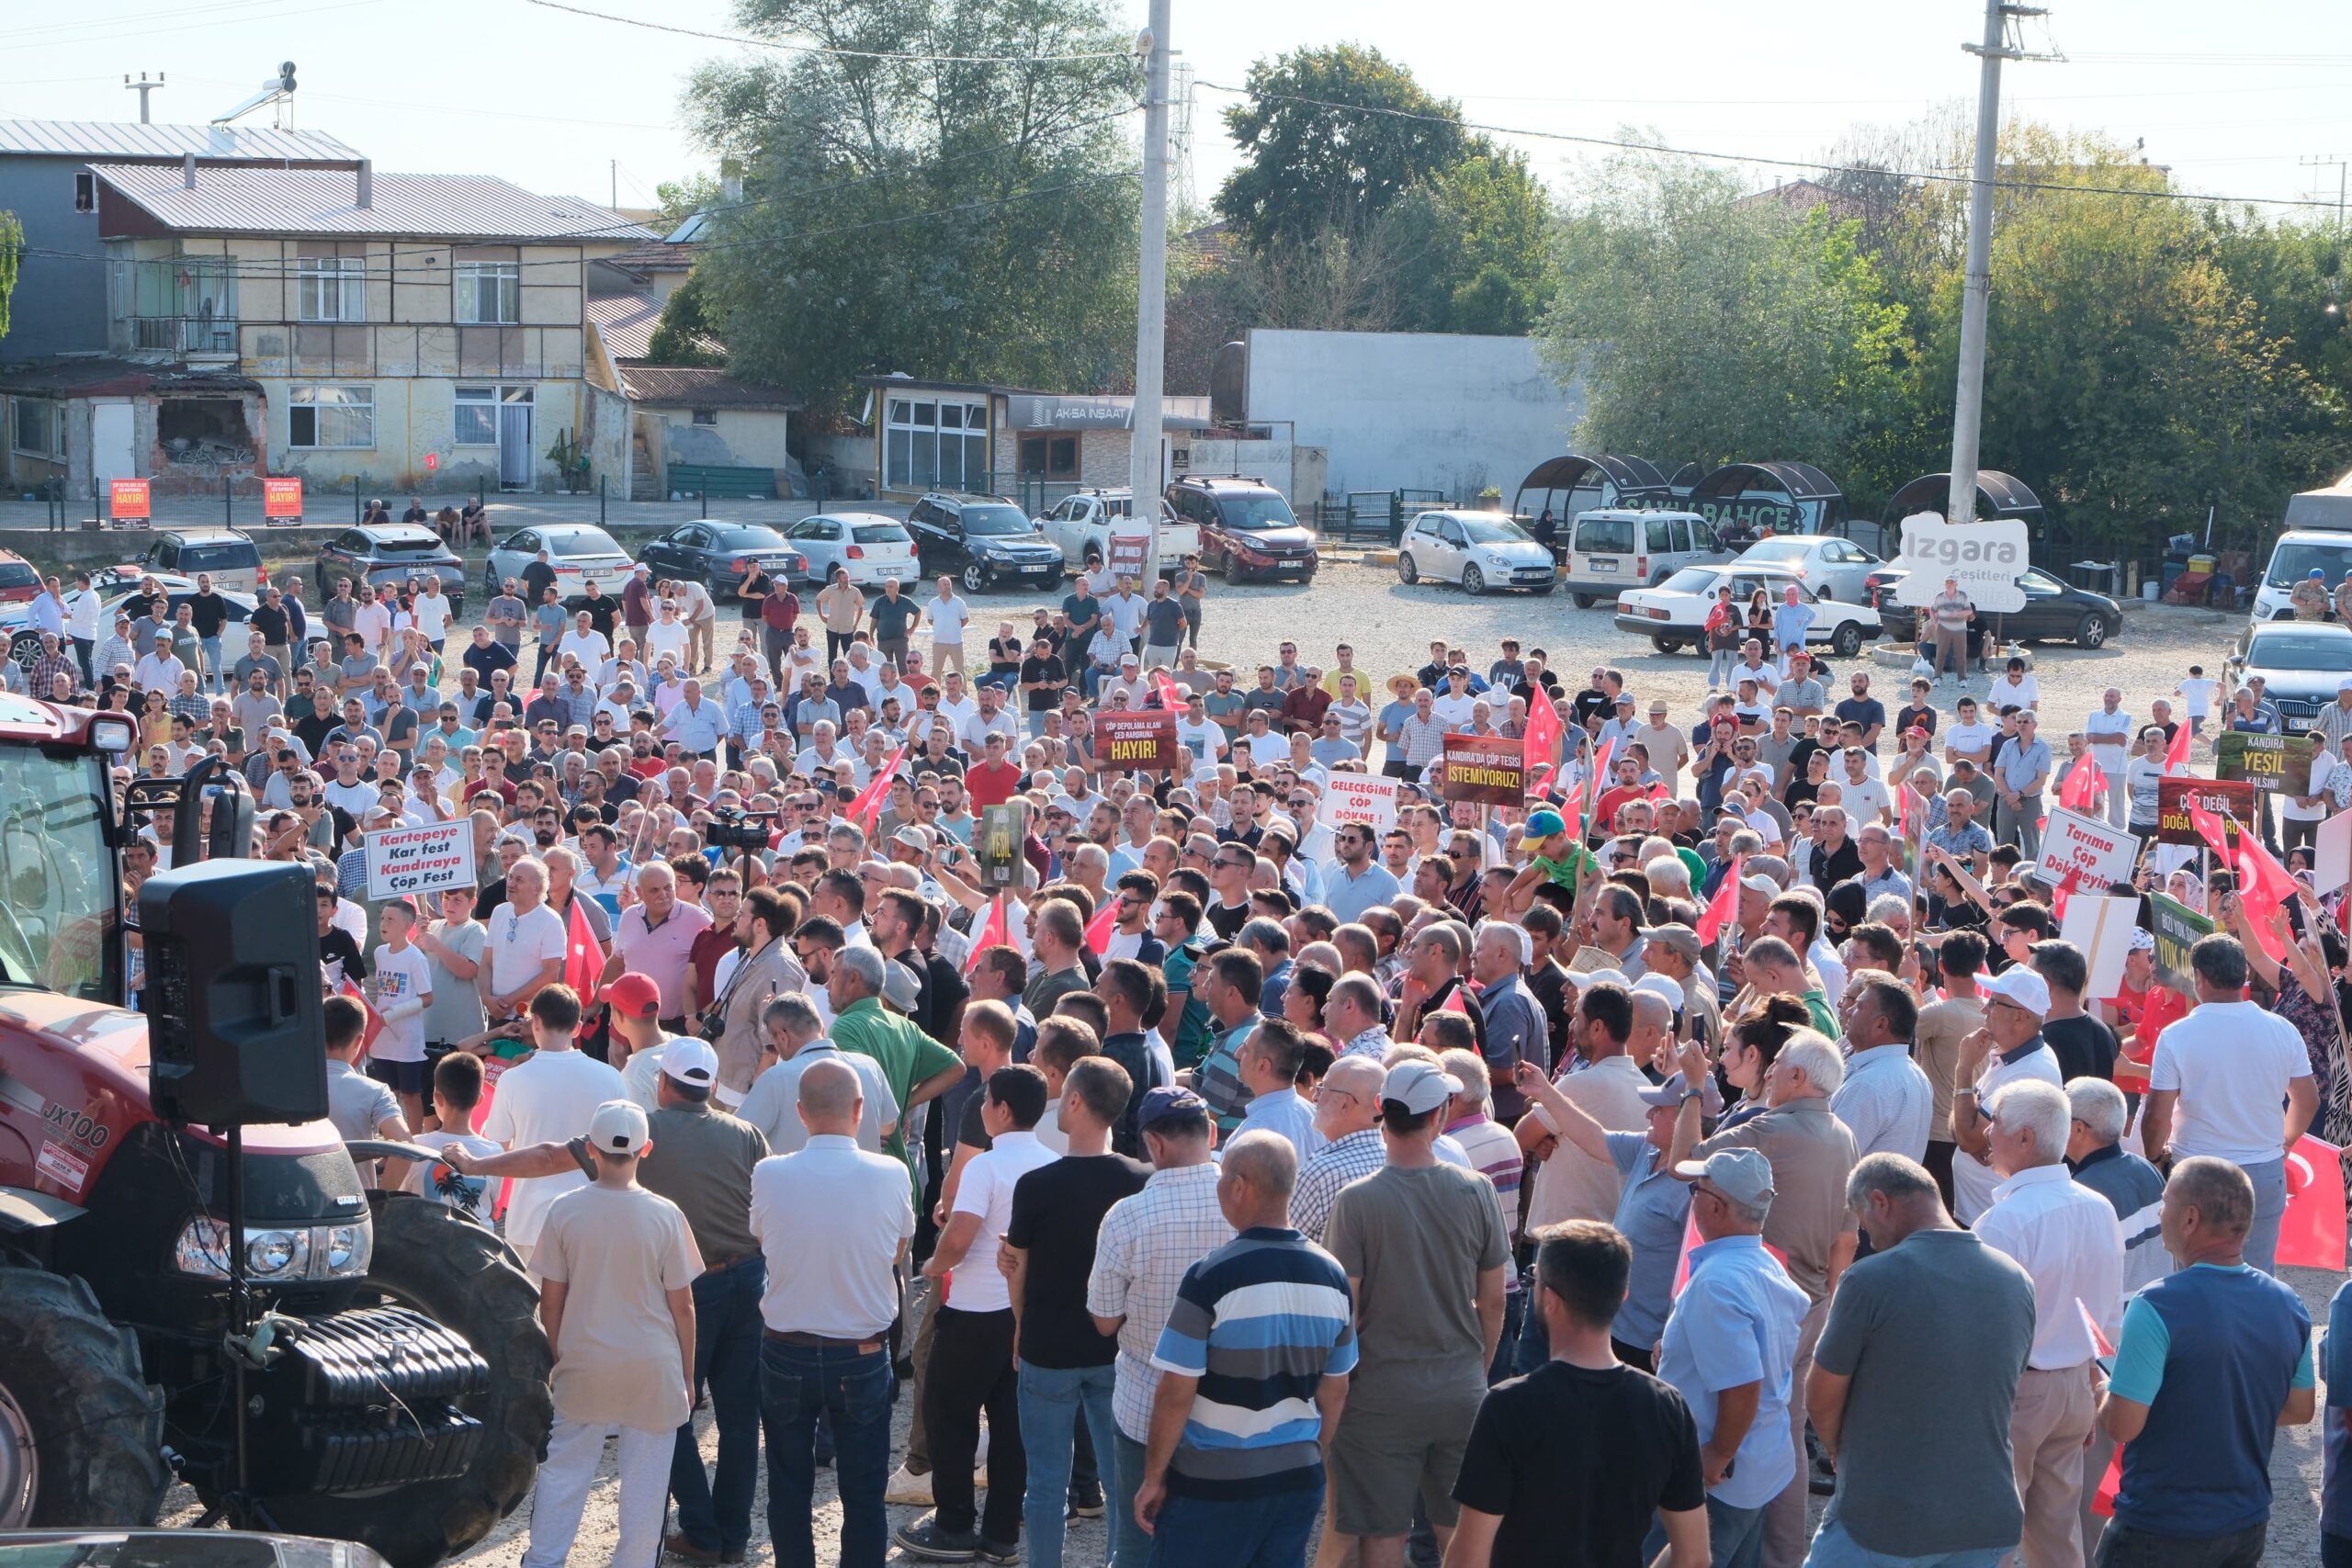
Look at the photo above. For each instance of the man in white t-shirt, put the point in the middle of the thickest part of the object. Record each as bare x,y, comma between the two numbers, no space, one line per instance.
585,643
2218,1081
971,1360
2108,732
948,616
550,1098
524,942
2009,1047
400,984
432,612
372,621
1968,737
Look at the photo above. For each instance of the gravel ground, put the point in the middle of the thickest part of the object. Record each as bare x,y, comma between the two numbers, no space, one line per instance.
1390,627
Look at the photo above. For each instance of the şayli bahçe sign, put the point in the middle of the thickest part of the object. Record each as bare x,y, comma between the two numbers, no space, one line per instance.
1145,741
1488,768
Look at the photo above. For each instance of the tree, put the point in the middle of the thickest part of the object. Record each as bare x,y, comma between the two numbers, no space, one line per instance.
681,199
12,252
968,221
1471,245
686,334
1308,167
1709,328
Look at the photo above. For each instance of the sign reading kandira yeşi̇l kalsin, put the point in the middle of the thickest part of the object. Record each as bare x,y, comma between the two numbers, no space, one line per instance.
2278,764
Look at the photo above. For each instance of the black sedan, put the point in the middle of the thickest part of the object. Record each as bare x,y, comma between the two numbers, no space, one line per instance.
388,554
713,553
2054,612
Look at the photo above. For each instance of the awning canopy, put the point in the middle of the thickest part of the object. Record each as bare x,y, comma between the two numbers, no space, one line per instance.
2005,494
1633,480
1806,487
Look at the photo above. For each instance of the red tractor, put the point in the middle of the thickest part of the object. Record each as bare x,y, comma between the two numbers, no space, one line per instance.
396,1386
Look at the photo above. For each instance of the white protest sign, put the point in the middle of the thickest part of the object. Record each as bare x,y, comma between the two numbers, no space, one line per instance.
2094,852
2331,855
405,862
1984,558
1361,797
2101,927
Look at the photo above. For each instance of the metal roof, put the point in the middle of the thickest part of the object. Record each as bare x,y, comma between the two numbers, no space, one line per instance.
1631,476
121,139
261,199
2008,495
668,385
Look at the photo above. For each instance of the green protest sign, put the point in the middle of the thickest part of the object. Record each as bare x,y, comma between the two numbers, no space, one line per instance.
2176,927
2273,764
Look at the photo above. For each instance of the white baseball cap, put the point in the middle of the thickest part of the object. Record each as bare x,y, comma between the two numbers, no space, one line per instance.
618,1128
690,1062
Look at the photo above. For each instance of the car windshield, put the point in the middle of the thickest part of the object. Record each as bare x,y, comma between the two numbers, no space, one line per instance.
750,538
1256,514
2298,650
1494,531
879,534
995,522
587,542
1691,580
2291,563
57,930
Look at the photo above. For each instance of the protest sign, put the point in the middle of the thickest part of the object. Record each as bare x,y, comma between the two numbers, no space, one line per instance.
1367,798
2276,764
403,863
1144,741
1126,552
2331,855
2101,927
2177,929
1002,831
281,501
2230,800
2092,852
127,500
1488,769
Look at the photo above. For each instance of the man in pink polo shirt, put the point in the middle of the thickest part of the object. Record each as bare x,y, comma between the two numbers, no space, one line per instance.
655,936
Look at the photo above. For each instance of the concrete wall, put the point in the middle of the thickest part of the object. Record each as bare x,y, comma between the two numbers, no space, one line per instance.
1299,472
416,415
1415,410
61,300
743,438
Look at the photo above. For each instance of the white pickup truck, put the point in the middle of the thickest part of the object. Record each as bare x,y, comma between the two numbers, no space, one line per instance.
1079,526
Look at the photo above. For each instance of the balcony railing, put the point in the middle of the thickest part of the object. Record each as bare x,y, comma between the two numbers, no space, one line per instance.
184,334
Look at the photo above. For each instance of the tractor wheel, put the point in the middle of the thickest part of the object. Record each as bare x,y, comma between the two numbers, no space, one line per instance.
430,1258
81,1432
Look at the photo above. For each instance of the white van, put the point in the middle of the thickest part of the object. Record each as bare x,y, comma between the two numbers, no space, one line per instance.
1618,548
2319,534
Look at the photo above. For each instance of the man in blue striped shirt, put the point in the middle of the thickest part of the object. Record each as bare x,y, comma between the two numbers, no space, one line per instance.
1254,1365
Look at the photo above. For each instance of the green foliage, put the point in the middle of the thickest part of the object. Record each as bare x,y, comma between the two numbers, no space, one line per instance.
685,333
966,221
12,251
681,199
1708,328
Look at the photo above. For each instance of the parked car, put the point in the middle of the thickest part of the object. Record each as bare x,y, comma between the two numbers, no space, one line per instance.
1478,550
2054,611
391,553
580,554
228,555
21,582
713,553
1673,615
1831,567
109,1547
2300,662
1079,526
873,548
980,541
24,639
1247,528
1616,547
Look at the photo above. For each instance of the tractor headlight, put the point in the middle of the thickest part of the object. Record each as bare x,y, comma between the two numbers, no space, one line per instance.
279,1254
349,1249
269,1254
203,1249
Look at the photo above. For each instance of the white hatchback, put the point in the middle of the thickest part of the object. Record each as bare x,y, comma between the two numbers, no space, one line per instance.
871,547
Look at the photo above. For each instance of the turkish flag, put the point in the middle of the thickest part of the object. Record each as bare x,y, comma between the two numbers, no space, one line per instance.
994,932
375,1019
866,810
2311,1234
2065,890
1106,921
1595,784
1723,908
2082,785
1453,1001
2208,827
1171,696
1543,730
2177,754
583,957
2264,885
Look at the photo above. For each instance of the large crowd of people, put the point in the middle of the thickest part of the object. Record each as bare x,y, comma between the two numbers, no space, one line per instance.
1595,1178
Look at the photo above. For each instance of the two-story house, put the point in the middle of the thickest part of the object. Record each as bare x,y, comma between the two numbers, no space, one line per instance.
399,332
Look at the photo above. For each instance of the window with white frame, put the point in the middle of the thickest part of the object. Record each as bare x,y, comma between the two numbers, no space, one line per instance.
930,444
490,293
30,426
322,416
331,288
477,421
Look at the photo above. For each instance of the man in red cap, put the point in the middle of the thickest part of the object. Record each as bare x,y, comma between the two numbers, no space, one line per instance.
635,1004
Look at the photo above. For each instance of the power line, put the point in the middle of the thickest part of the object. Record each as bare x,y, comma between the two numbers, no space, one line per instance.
828,49
1810,165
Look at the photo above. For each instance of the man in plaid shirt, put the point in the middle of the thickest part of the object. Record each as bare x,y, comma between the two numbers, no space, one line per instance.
54,662
1146,1244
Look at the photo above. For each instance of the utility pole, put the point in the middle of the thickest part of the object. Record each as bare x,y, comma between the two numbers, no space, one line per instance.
614,203
1968,403
142,87
1151,293
2339,165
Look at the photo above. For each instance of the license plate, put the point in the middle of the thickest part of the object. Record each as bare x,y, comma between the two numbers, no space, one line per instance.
1604,566
2297,726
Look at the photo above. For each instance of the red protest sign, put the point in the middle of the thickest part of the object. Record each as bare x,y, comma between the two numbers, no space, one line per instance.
1490,769
2225,798
281,498
128,500
1145,741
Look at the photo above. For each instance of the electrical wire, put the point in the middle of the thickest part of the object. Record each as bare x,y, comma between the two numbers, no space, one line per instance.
1810,165
830,49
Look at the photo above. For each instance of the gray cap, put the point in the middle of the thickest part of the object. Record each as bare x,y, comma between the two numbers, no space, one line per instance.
1419,1087
1744,1174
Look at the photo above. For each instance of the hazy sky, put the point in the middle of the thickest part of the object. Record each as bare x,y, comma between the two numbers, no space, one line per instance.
2231,100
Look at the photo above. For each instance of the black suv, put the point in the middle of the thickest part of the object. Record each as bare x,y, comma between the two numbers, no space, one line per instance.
1247,528
980,540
